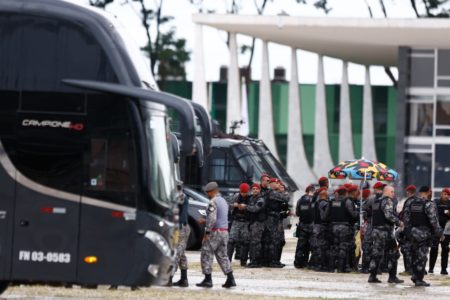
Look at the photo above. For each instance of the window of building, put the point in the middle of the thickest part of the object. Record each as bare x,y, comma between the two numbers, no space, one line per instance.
422,70
443,110
418,169
419,117
442,166
443,62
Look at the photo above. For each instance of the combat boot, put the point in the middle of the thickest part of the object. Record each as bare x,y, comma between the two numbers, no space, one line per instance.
395,279
421,283
444,272
373,276
183,282
206,283
230,281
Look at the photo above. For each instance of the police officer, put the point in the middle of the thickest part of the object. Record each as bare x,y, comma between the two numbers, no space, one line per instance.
285,211
305,212
365,242
342,215
367,208
185,231
354,194
264,183
215,239
274,201
402,238
443,208
422,224
320,241
257,212
239,233
384,218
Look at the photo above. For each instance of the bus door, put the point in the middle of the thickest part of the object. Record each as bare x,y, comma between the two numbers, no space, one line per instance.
48,156
108,210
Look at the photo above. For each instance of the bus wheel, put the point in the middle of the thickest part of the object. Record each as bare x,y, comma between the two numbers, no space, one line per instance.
3,286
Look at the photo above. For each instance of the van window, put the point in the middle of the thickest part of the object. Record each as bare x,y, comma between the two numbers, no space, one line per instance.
224,168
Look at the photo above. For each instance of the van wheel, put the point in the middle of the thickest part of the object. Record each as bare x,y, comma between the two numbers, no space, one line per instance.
3,286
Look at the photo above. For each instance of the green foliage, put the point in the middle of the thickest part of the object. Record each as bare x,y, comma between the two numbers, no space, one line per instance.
100,3
172,56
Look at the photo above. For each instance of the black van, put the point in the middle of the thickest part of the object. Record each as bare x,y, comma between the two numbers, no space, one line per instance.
87,184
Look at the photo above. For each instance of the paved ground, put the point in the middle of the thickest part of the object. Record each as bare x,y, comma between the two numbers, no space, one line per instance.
258,284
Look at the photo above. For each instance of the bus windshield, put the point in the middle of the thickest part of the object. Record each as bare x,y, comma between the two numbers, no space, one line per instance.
162,172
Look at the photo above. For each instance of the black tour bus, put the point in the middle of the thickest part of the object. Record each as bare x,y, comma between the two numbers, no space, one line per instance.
87,184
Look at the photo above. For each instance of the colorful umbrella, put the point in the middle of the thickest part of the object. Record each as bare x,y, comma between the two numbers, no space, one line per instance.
362,169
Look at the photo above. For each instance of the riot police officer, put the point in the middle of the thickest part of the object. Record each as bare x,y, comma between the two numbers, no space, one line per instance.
384,218
239,233
257,212
342,215
320,239
274,203
443,209
305,212
421,221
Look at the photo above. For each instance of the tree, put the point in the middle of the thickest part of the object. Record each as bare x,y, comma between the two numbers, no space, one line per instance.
167,53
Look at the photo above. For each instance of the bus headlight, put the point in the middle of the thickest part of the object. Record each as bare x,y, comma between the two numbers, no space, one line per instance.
159,241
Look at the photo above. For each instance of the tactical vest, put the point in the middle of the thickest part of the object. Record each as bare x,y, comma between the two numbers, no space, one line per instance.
317,218
259,216
338,211
378,218
305,210
273,202
418,216
441,208
240,215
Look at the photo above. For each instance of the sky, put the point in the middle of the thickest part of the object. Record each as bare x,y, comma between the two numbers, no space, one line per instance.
216,51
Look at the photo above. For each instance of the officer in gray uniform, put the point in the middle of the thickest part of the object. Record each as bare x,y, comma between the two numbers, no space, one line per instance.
305,212
422,224
342,215
216,238
384,218
257,212
181,248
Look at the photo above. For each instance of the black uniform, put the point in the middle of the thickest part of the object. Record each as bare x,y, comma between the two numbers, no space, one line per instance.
274,205
342,215
442,208
305,211
384,217
320,243
239,234
421,223
258,216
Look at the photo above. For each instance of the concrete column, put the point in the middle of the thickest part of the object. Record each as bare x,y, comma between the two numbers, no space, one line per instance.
265,117
199,88
322,155
297,164
245,128
368,135
233,86
345,120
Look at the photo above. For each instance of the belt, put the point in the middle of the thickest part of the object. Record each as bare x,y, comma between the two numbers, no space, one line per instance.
219,229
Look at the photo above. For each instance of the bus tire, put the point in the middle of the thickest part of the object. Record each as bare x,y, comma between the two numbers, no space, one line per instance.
3,286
